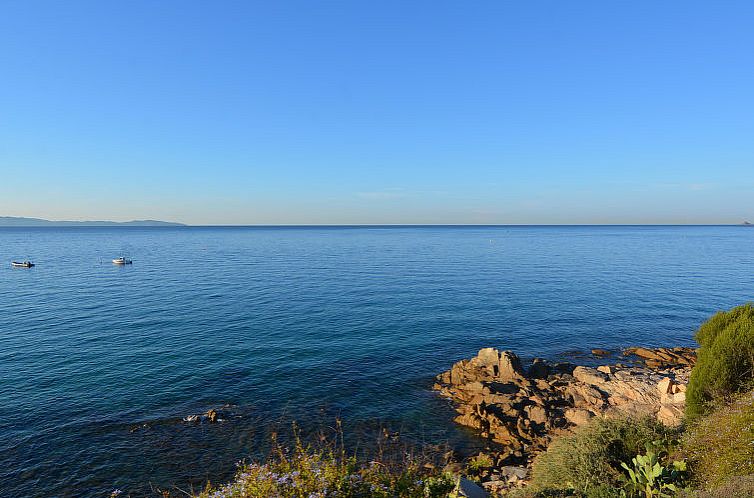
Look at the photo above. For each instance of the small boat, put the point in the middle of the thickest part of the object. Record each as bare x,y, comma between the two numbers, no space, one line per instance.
22,264
122,261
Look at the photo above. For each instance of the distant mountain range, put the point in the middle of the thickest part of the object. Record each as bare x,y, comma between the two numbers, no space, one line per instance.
13,221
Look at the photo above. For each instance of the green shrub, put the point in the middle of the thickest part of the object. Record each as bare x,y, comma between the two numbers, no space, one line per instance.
720,446
478,465
725,363
590,459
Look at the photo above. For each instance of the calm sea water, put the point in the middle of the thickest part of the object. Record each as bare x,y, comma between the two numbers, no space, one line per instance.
308,324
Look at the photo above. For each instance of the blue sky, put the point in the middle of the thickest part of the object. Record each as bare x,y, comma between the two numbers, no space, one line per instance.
378,112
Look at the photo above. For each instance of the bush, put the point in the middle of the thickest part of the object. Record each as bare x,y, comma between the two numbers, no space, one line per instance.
725,363
720,446
308,474
589,460
327,471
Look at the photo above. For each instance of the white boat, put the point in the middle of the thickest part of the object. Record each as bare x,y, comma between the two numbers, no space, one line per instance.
122,261
22,264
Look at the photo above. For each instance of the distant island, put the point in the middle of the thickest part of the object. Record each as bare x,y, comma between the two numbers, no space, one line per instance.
14,221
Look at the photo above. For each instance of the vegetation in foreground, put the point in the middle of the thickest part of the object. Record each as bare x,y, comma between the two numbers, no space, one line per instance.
721,446
306,471
725,363
594,456
618,458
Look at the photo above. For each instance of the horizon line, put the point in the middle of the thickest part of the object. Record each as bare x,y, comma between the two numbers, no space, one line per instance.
126,224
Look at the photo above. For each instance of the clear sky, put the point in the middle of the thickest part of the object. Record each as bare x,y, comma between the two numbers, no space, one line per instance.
220,112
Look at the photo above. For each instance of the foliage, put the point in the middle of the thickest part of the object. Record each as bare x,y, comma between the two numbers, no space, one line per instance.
308,472
590,458
652,475
478,464
721,445
725,363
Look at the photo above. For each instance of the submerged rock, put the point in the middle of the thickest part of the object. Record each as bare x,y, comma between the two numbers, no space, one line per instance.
601,353
213,415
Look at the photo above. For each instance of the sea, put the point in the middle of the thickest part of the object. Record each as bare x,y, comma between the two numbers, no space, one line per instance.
100,364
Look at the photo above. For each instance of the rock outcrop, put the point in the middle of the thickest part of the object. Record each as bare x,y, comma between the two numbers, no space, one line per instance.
213,415
522,409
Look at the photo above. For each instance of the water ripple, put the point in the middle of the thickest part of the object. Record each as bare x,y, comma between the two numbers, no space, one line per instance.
305,323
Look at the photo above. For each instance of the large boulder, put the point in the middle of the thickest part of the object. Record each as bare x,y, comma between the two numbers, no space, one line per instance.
589,375
500,365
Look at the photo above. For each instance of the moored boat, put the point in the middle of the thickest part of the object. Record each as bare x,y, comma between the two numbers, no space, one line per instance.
22,264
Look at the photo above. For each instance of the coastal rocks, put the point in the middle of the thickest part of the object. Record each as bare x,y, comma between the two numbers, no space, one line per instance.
539,369
212,416
664,357
578,416
601,353
503,366
509,472
522,409
665,386
589,375
506,477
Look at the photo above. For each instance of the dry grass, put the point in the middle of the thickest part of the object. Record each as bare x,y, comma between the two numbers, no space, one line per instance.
721,446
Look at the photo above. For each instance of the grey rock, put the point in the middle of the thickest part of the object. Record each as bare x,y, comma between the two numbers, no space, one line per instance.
510,471
470,489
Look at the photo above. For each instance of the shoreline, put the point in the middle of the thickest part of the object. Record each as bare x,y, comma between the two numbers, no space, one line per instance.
519,409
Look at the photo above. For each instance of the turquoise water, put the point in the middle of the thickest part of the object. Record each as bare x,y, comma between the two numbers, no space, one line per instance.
305,324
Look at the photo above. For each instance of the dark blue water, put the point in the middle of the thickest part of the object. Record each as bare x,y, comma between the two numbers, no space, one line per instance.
305,323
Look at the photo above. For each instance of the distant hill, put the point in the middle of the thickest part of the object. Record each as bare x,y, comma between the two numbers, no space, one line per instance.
13,221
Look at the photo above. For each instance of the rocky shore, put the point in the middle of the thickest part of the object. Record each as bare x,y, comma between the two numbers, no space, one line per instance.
522,407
